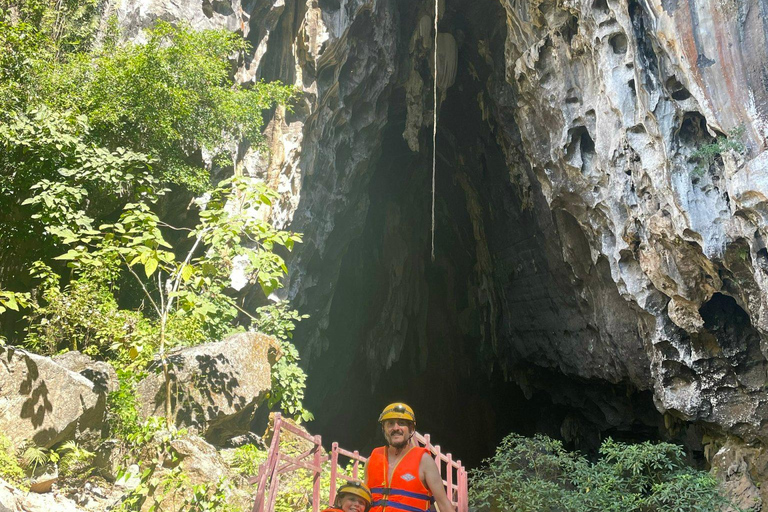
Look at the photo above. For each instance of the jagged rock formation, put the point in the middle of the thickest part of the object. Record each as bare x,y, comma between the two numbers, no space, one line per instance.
599,243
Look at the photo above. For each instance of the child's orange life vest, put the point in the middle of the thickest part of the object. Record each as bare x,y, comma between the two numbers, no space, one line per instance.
405,491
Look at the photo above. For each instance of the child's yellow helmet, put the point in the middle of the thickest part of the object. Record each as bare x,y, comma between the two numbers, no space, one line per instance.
358,489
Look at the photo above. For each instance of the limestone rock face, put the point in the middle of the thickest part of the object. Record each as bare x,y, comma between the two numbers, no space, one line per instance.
601,210
134,16
43,402
628,96
215,387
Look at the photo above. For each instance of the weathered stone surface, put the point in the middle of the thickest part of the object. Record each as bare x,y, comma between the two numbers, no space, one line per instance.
43,402
738,467
15,500
102,374
211,14
627,94
200,461
109,459
216,387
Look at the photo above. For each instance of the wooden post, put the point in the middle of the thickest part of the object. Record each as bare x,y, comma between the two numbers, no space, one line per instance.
318,470
334,468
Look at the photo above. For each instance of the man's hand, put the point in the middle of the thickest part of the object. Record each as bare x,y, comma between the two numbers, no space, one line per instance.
434,483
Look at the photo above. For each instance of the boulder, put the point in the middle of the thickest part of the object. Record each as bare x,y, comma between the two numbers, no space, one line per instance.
199,460
215,387
15,500
43,402
110,457
102,374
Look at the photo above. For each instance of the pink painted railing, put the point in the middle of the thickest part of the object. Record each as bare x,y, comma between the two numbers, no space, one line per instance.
453,473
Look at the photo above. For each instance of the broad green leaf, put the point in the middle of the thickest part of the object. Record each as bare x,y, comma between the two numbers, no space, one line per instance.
150,266
186,272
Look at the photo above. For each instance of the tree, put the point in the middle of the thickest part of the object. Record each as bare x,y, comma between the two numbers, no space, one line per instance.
91,139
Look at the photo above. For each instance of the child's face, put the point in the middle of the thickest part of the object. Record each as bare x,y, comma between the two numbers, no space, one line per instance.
352,503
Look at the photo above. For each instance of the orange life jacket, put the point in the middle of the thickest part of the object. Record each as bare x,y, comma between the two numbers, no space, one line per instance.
405,491
333,509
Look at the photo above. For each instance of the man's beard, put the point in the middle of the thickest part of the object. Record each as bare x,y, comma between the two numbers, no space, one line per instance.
402,444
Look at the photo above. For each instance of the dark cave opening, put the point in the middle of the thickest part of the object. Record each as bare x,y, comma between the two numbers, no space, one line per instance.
460,338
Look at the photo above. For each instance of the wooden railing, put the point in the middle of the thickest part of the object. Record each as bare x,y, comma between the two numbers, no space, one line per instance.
268,479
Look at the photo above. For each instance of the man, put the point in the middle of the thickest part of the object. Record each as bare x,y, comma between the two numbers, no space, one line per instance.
403,477
352,497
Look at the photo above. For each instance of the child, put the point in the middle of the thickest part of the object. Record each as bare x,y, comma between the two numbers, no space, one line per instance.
352,497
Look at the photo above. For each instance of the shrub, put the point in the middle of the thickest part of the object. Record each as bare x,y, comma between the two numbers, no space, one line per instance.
538,474
246,459
707,154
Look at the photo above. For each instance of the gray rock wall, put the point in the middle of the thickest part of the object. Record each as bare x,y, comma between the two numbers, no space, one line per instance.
578,235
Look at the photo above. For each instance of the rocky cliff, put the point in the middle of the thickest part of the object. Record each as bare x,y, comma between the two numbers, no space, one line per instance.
601,263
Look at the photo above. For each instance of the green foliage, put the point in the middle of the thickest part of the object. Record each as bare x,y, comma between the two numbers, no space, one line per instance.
538,474
90,137
210,497
157,488
175,90
34,36
707,154
34,457
246,459
74,459
288,378
123,406
162,489
54,182
13,300
10,469
184,292
83,315
81,124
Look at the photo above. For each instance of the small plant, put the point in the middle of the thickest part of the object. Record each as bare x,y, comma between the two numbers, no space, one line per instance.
210,497
10,469
707,154
73,459
34,457
157,490
246,459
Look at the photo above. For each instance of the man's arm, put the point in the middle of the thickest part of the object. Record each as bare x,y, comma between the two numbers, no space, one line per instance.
434,483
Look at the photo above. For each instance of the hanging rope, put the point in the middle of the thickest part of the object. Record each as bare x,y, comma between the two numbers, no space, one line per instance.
434,131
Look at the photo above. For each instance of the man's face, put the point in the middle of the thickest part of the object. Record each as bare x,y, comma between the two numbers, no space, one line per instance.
352,503
397,432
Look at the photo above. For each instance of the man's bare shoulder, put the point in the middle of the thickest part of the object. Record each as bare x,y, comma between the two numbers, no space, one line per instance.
427,463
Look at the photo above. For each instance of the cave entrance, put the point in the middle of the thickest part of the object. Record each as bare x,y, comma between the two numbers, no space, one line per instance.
465,339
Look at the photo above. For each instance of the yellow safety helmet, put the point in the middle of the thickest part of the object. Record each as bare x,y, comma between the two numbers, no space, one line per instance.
358,489
397,410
